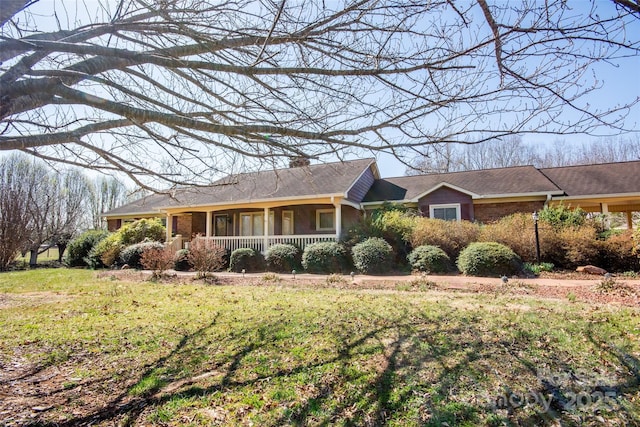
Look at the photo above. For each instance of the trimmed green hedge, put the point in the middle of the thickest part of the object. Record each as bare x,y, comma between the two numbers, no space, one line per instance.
372,256
325,257
246,259
430,259
283,258
489,259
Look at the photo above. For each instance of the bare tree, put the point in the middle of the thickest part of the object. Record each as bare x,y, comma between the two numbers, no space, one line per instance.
72,193
180,89
106,193
512,151
40,208
14,220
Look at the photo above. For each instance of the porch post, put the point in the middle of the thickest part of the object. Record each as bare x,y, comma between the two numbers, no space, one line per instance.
630,220
338,219
266,230
604,209
209,219
169,227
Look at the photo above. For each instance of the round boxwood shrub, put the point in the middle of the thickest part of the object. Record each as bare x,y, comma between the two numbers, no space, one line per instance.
246,259
430,259
325,257
374,255
80,247
489,259
132,254
283,258
182,261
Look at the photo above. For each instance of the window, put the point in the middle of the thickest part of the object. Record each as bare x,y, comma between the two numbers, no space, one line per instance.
221,225
446,212
252,224
325,219
287,223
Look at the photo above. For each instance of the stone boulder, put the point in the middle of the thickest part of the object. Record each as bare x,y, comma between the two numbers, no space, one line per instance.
591,269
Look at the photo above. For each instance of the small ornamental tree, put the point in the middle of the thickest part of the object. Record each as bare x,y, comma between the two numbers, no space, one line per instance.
158,259
205,256
132,254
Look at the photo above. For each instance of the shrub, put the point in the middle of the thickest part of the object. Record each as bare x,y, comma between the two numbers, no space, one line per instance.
142,229
283,258
636,242
181,261
157,258
372,256
246,259
450,236
105,253
205,256
571,246
394,223
325,257
397,227
489,259
430,259
516,231
616,253
538,268
80,247
132,254
561,216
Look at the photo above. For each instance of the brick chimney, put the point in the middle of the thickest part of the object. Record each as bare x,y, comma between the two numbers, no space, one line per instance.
299,161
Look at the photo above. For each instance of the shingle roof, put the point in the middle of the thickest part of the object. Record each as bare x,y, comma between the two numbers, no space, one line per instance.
606,178
320,179
488,182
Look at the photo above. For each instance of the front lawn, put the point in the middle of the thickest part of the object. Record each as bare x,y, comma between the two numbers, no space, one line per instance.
76,349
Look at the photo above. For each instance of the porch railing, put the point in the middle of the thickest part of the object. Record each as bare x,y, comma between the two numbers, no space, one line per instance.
258,242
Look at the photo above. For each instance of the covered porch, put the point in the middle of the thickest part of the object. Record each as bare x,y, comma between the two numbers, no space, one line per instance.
626,205
260,225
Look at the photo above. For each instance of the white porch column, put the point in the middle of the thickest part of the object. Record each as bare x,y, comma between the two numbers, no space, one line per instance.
604,209
266,230
169,226
338,219
209,220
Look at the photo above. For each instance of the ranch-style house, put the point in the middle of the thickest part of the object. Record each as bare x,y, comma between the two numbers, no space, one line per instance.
307,203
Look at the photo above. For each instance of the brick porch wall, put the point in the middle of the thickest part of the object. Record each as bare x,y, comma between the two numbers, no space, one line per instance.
113,224
491,212
183,226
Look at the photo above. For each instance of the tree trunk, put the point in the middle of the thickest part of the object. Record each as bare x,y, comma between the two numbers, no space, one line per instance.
33,259
61,248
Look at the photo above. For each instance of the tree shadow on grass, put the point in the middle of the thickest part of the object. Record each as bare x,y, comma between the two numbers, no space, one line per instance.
411,368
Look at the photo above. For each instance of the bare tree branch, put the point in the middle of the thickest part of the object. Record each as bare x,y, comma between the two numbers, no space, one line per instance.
180,89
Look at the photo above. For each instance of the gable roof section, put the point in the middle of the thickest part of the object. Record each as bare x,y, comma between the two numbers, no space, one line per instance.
300,182
521,180
601,179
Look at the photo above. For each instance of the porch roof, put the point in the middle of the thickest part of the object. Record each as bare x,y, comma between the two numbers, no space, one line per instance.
299,182
601,179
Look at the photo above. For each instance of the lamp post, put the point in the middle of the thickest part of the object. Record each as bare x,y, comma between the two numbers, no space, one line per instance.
535,227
